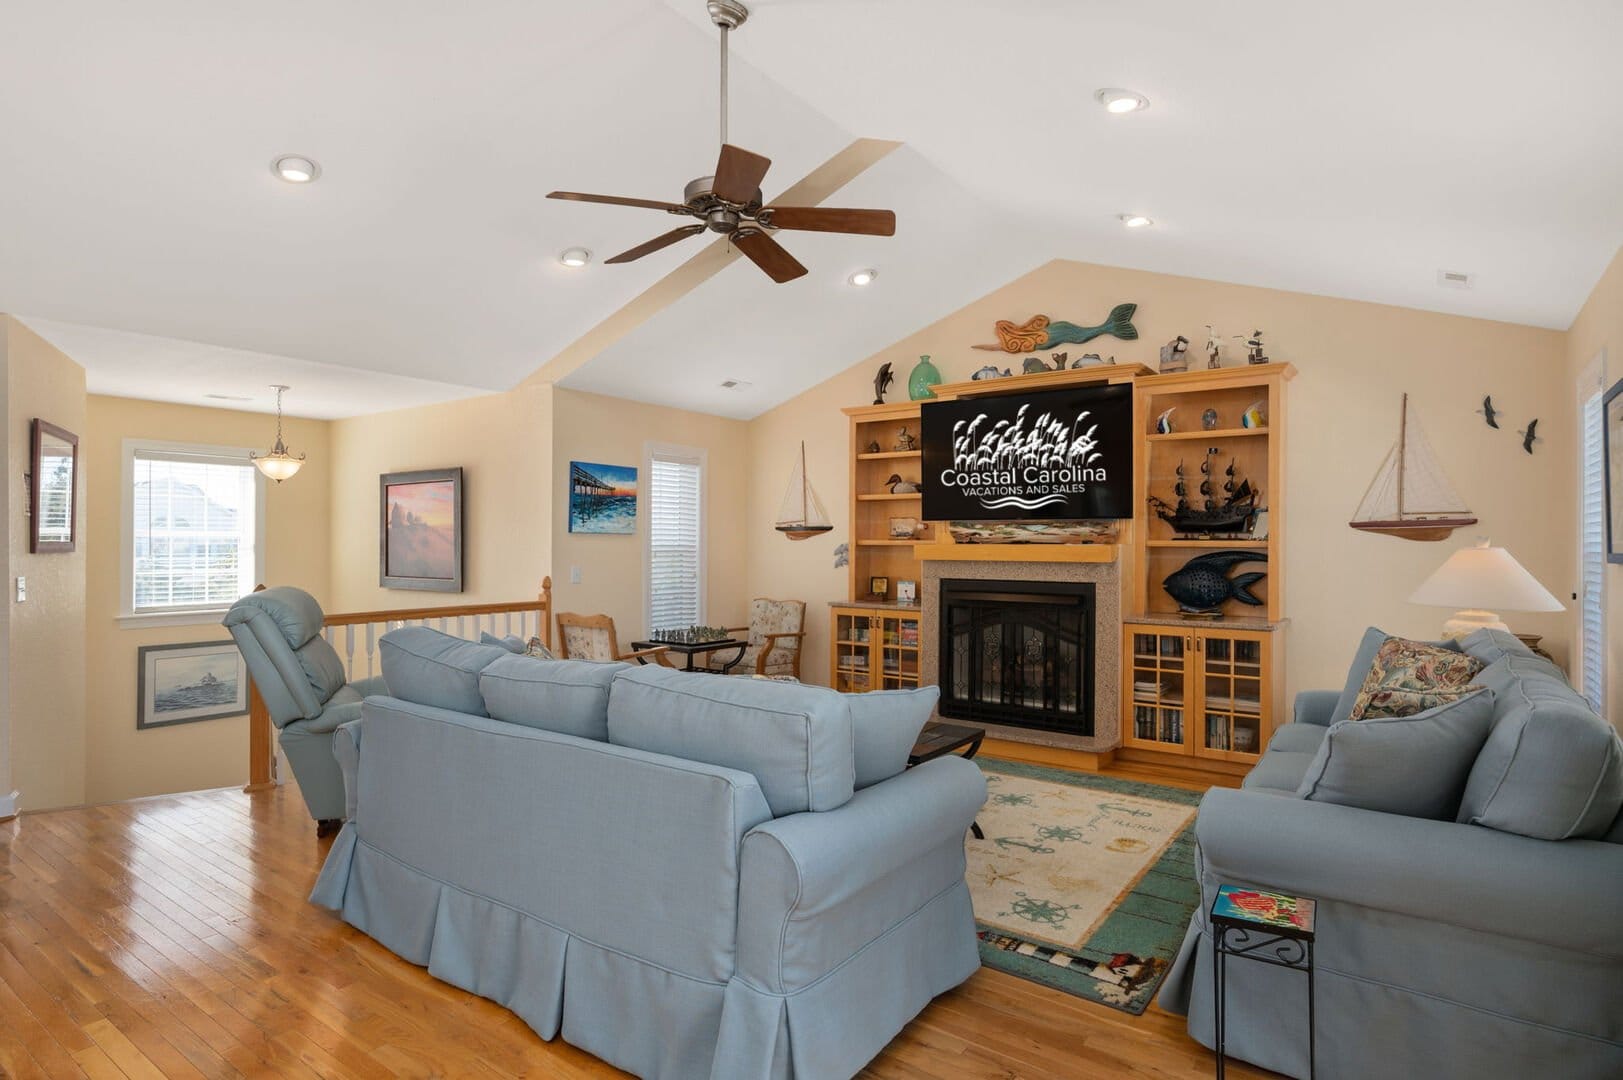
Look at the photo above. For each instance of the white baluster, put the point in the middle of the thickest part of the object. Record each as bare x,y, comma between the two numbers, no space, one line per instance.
461,628
349,652
371,643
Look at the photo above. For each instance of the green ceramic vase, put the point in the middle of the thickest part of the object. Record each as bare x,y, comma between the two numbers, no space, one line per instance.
923,378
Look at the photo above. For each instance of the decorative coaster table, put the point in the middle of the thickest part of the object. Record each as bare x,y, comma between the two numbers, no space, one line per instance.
690,649
1270,928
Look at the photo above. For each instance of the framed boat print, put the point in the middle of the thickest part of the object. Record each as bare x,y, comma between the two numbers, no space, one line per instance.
188,683
1612,435
420,535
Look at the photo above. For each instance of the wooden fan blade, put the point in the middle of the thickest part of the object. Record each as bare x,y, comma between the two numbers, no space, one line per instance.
833,219
739,174
618,200
768,254
679,233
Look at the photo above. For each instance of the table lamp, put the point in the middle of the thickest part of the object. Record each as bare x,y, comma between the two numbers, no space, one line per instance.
1480,580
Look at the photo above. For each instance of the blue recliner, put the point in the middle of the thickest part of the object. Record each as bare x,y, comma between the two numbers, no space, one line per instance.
301,679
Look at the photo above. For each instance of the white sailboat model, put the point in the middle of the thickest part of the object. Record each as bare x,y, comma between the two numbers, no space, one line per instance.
1410,496
801,514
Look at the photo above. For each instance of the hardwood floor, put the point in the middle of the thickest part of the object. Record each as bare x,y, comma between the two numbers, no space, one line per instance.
171,937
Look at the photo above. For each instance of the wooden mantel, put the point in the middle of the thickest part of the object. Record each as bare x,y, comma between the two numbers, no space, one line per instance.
947,551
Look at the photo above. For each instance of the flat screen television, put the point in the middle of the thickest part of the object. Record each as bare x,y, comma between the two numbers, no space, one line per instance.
1058,455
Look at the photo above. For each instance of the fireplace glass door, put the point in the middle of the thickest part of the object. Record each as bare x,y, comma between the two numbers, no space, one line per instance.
1018,653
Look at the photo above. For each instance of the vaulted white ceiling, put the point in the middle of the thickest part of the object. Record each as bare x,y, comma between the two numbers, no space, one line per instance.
1350,150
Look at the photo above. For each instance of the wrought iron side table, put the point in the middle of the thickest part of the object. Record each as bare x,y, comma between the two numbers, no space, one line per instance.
1270,928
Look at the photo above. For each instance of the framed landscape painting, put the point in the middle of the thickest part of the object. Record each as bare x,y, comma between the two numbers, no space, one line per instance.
602,498
183,684
1612,427
420,536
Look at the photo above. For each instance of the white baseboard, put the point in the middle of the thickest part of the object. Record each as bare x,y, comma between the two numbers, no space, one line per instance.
9,804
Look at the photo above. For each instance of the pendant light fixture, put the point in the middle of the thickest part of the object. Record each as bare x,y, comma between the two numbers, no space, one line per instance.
278,464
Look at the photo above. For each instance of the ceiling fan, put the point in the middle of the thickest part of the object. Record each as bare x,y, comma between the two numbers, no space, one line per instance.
730,201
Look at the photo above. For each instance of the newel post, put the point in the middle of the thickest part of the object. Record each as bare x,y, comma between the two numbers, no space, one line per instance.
259,738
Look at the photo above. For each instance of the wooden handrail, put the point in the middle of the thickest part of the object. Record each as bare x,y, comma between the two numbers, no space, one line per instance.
260,755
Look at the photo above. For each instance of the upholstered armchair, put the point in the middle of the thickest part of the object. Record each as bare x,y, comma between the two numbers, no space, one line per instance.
301,680
592,637
776,629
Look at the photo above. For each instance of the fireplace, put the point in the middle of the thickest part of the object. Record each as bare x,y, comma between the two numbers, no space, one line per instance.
1018,653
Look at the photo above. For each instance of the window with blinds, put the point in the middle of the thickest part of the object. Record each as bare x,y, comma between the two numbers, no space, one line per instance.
675,540
1592,555
192,529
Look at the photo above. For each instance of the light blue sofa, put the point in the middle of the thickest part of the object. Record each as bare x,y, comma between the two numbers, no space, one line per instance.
1484,947
675,872
302,682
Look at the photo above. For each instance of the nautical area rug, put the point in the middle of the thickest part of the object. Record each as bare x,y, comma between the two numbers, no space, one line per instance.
1083,883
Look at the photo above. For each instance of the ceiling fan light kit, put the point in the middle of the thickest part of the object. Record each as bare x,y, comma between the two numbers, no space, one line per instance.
729,203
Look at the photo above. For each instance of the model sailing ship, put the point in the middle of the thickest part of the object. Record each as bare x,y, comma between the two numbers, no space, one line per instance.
1232,514
1410,496
801,515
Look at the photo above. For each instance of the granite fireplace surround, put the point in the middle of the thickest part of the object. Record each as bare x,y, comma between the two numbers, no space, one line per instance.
1106,578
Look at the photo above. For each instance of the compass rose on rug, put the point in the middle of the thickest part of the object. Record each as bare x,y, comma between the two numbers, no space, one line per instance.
1037,910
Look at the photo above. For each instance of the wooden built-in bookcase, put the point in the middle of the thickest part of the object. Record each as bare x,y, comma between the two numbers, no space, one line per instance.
1207,690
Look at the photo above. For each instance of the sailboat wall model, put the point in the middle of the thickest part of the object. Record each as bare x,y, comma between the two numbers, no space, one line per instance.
1410,496
801,515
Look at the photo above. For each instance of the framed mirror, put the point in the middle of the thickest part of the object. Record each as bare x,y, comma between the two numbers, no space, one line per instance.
53,494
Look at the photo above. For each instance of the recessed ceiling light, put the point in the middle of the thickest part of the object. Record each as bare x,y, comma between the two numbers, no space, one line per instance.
1121,102
295,169
575,256
1137,221
863,277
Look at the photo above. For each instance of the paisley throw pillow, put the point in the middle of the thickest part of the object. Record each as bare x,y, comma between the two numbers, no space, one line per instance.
1409,677
534,648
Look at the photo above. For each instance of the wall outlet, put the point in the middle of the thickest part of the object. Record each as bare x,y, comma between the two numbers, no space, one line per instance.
574,577
22,588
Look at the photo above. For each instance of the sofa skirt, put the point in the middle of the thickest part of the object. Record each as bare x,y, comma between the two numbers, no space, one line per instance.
830,1029
650,1021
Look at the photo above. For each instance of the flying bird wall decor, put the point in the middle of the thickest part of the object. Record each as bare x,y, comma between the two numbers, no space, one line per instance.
1529,435
1040,333
1488,412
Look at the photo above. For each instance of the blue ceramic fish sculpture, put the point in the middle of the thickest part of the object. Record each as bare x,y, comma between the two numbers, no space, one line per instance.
1202,584
1040,332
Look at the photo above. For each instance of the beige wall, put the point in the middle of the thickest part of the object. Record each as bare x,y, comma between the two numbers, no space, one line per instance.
503,442
589,427
1354,359
1599,330
46,684
122,762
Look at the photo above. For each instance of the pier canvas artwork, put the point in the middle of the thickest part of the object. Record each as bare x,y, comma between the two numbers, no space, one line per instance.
421,531
602,498
182,684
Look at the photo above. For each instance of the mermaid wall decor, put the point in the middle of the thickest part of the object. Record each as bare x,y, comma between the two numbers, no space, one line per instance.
1040,333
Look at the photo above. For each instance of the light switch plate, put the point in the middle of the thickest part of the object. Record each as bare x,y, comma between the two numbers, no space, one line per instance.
22,588
574,575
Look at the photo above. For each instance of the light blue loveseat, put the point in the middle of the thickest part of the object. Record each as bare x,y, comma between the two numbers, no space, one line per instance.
685,875
1485,947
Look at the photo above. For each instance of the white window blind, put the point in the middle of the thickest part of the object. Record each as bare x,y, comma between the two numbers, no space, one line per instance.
1592,555
675,541
192,530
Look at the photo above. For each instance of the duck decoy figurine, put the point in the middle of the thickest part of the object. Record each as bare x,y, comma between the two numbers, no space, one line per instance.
898,486
1530,436
881,382
1488,412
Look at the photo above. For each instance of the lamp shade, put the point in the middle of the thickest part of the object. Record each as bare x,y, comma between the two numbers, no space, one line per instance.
1486,578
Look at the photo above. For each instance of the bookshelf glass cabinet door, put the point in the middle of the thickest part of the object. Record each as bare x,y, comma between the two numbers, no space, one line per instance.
875,649
1205,692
